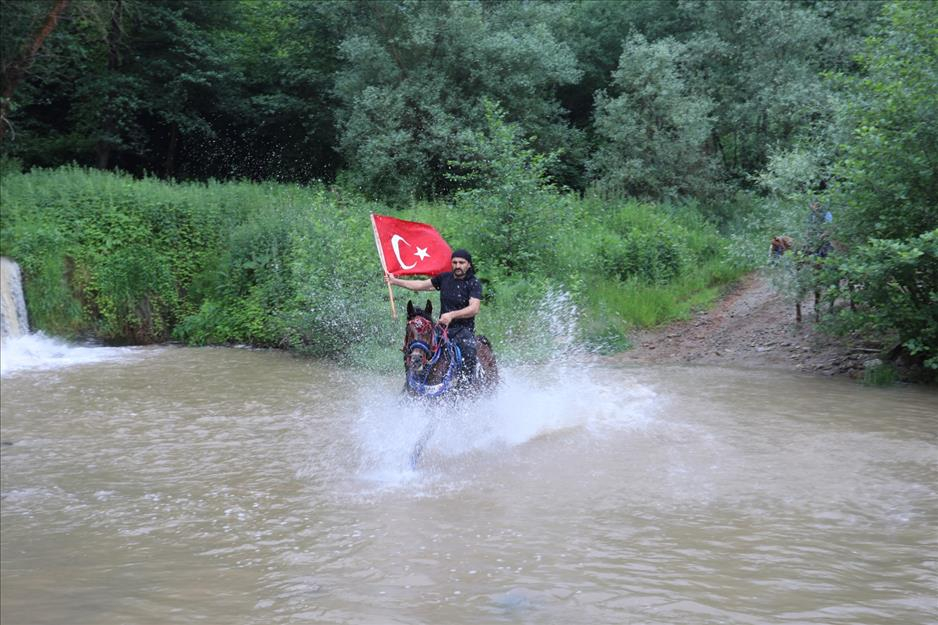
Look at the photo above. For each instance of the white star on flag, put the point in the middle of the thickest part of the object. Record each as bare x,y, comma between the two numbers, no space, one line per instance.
421,252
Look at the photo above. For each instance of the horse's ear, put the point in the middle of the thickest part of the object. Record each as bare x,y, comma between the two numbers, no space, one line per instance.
410,310
429,309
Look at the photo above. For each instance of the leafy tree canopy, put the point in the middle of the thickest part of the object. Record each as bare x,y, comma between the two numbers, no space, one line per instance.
414,77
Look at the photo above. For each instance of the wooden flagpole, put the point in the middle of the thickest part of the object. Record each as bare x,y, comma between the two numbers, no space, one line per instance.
384,265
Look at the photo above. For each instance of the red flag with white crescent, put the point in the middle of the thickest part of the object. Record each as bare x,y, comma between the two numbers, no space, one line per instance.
410,247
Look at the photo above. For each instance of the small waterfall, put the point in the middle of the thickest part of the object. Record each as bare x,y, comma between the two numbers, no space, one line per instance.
24,350
13,321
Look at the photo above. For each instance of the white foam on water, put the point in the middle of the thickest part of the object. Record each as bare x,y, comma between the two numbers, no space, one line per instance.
37,351
530,403
566,394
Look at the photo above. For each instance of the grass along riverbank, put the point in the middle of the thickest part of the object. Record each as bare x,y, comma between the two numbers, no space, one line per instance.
123,260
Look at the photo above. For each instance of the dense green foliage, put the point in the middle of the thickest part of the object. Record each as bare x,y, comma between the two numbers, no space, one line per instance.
874,165
654,132
415,78
894,286
295,267
887,184
536,132
386,92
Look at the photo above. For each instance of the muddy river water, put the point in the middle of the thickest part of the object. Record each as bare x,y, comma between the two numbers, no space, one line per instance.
227,486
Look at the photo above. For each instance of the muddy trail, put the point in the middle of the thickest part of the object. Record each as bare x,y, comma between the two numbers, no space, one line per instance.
753,326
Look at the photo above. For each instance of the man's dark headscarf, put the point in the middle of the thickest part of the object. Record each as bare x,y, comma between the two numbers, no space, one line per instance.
464,254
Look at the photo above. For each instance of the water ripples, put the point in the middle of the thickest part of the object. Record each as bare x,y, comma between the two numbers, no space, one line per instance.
250,487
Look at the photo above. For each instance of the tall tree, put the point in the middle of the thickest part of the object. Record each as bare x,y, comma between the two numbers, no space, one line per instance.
596,32
762,62
14,66
887,178
108,136
653,130
182,68
276,106
126,82
414,76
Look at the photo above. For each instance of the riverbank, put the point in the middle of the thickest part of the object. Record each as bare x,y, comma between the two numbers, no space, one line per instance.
753,326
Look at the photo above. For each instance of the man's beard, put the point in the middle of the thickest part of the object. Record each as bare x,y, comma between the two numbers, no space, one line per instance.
459,273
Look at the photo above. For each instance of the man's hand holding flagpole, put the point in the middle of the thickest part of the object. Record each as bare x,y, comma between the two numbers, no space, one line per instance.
408,248
384,266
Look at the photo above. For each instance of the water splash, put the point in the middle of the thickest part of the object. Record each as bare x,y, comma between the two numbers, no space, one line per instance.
532,402
557,314
557,389
37,351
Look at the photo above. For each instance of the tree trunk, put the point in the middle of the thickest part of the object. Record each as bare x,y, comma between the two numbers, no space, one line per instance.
19,67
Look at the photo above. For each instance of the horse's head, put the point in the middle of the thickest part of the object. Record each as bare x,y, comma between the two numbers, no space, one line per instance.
418,337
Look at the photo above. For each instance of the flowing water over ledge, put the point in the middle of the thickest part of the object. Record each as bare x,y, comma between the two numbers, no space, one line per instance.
173,485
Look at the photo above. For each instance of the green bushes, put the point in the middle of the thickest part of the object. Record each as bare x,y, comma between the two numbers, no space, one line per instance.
516,214
893,288
106,255
640,264
140,261
651,257
886,185
41,252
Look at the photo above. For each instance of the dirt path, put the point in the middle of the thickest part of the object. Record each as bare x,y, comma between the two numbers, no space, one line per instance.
752,326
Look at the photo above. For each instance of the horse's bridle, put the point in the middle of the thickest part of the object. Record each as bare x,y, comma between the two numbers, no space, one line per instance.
435,348
421,327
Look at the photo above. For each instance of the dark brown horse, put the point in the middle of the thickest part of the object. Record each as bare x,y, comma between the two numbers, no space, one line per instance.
433,363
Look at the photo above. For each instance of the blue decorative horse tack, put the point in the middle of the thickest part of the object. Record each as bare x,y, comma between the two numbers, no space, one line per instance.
433,362
417,381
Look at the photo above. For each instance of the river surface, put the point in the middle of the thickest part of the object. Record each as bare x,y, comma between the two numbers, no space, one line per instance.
228,486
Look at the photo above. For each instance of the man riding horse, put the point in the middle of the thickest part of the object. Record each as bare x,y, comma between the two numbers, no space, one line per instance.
460,301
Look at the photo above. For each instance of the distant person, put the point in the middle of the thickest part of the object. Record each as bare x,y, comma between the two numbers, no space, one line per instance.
460,301
819,224
820,214
819,220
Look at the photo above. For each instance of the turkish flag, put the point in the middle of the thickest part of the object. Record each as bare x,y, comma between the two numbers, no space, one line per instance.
409,247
